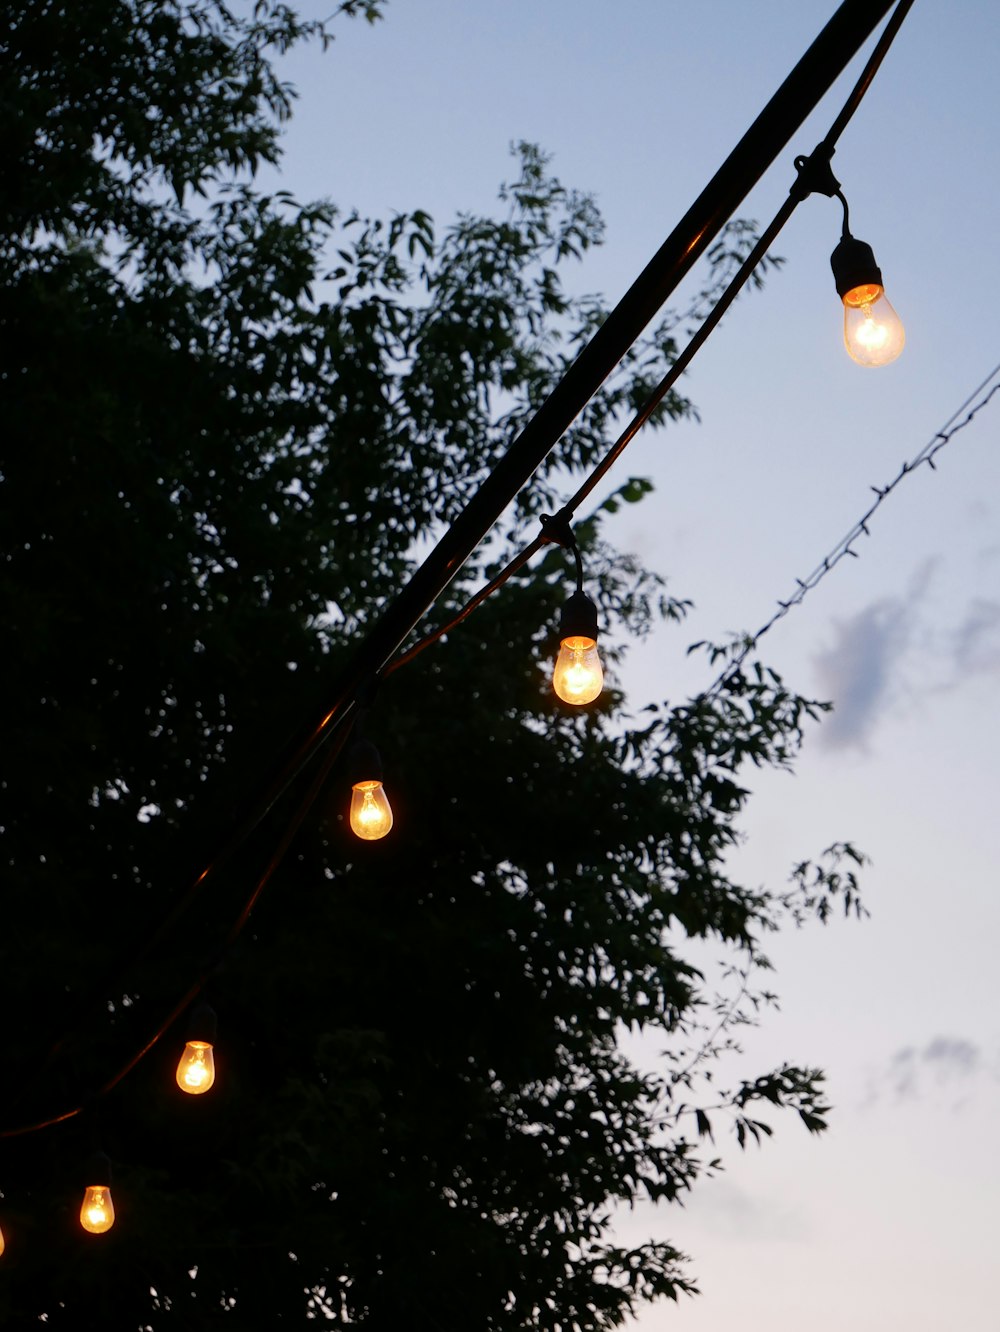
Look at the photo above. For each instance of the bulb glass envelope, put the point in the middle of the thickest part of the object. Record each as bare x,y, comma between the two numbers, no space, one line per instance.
371,813
873,331
196,1068
97,1214
578,676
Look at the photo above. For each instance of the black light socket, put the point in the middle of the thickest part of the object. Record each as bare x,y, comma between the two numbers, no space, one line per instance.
97,1170
364,762
578,618
202,1024
853,264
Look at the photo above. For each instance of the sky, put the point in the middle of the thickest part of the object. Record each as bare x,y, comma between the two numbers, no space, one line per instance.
888,1220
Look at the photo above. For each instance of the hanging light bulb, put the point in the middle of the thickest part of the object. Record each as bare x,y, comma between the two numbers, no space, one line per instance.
371,813
578,676
196,1068
3,1242
97,1214
873,331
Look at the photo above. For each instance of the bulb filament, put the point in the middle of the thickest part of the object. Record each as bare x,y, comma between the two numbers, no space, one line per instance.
98,1211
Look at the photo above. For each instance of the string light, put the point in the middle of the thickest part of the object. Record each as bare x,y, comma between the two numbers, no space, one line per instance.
336,714
873,331
97,1212
578,677
873,335
196,1067
371,813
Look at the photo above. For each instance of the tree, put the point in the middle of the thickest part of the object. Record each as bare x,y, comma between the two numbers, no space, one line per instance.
222,456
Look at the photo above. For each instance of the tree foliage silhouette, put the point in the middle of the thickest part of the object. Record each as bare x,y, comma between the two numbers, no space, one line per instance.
232,424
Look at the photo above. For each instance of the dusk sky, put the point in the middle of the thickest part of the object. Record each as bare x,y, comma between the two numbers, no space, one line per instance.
889,1220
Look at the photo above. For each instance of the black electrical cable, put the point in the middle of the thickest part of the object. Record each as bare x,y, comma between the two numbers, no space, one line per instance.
137,952
801,91
813,176
492,586
193,990
867,74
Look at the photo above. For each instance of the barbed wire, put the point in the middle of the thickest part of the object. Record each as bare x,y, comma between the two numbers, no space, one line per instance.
845,546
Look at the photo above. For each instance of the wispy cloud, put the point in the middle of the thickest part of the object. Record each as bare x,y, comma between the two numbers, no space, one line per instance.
951,1065
727,1210
975,644
860,669
944,1059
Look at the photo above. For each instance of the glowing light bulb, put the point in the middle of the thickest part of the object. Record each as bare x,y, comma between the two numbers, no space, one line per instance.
3,1242
196,1069
578,676
873,331
371,813
98,1211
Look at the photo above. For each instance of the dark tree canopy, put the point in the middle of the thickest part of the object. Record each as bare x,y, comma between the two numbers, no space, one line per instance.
231,424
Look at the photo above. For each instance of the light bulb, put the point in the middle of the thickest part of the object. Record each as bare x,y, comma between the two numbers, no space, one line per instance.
196,1069
578,676
371,814
3,1242
98,1211
873,331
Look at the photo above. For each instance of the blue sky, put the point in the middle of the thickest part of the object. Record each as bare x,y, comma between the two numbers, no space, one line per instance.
889,1220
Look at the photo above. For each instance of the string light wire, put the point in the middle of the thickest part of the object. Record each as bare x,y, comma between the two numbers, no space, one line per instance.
208,969
845,546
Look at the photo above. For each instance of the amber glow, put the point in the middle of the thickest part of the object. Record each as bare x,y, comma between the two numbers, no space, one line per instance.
873,331
3,1242
578,676
98,1211
196,1069
863,295
371,814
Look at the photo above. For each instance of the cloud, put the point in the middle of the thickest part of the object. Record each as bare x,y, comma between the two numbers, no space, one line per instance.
945,1058
721,1208
948,1066
975,644
856,671
860,670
